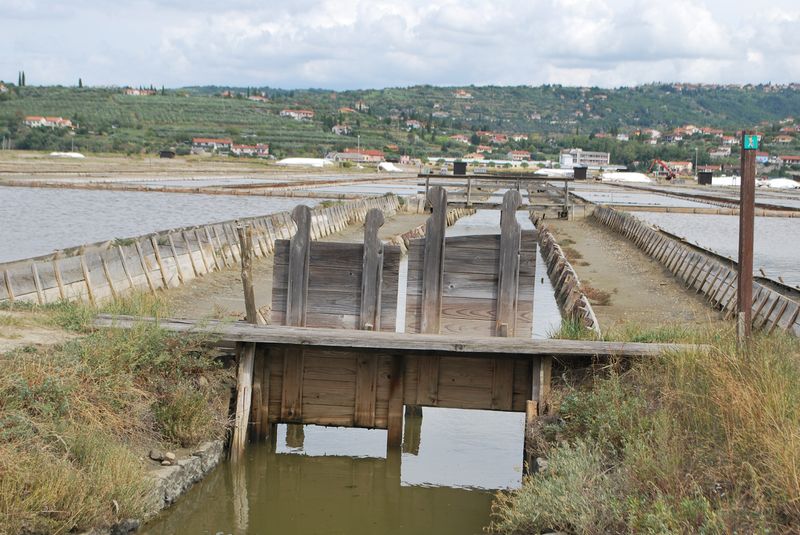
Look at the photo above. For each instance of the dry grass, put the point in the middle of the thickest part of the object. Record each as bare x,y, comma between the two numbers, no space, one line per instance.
595,295
75,419
696,441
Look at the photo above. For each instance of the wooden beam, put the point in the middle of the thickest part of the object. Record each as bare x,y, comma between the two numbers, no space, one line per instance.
433,261
397,342
299,255
508,279
372,273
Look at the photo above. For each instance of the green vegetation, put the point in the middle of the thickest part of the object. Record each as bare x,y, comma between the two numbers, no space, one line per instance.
700,441
77,419
553,117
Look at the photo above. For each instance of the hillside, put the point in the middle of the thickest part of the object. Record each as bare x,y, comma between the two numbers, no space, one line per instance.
552,116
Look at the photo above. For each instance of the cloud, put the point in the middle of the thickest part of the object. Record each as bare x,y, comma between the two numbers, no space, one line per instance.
378,43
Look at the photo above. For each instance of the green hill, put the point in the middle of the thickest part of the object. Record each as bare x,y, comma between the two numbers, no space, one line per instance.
553,116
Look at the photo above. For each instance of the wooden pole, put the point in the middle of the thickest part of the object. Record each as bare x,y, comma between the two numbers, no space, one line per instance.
744,297
247,352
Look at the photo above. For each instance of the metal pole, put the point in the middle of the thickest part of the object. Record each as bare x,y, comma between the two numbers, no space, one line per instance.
566,198
747,189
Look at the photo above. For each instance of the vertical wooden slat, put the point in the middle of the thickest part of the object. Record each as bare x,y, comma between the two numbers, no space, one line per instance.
508,279
125,267
145,267
87,279
394,436
190,253
299,251
107,274
296,299
366,389
213,249
59,280
9,285
37,282
157,253
178,268
372,273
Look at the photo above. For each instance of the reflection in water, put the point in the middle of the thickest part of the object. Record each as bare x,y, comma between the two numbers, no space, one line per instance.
300,494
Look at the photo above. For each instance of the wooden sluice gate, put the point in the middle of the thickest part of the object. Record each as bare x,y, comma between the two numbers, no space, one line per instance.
332,355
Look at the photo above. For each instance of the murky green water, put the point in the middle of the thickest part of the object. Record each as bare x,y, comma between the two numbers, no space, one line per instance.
339,481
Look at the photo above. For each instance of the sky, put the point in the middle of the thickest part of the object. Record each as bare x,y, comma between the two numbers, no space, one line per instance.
360,44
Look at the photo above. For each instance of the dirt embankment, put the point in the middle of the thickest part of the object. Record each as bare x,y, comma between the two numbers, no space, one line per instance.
219,294
625,285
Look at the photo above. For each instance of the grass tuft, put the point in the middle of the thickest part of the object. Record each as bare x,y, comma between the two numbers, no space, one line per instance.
694,441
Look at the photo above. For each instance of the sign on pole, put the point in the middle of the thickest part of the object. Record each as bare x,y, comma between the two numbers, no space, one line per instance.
747,194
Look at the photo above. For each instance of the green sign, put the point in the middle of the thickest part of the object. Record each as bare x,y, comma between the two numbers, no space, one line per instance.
750,142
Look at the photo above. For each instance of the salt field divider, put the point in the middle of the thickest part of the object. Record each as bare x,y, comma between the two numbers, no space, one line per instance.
707,274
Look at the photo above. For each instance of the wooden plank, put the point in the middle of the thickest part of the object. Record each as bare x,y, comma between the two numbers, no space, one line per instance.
246,248
109,279
145,267
292,391
433,269
9,285
221,247
159,261
244,385
59,279
37,283
174,252
86,278
394,416
371,275
390,342
508,279
124,264
299,267
428,379
366,387
190,253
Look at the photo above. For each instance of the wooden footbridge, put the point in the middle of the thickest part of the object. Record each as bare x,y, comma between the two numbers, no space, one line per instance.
335,353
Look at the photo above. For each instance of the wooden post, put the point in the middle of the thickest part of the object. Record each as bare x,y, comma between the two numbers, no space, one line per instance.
469,192
37,283
9,288
145,267
157,252
744,296
296,299
372,273
247,351
189,252
107,274
57,272
86,278
177,260
125,267
433,261
299,254
508,279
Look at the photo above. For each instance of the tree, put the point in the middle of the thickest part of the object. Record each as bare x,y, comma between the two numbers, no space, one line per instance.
24,83
80,83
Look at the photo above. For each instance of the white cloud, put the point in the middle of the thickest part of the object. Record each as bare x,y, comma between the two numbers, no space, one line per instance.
379,43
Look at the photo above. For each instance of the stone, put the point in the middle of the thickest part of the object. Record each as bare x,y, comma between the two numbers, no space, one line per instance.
540,465
169,456
202,382
128,525
165,462
157,455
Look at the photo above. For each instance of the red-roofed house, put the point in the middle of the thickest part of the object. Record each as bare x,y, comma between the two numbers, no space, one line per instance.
138,92
483,148
36,121
519,137
346,110
413,124
361,155
461,138
499,139
783,139
519,155
211,144
680,167
789,160
474,156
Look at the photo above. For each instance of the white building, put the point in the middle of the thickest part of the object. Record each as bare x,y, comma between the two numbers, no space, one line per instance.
580,157
298,115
